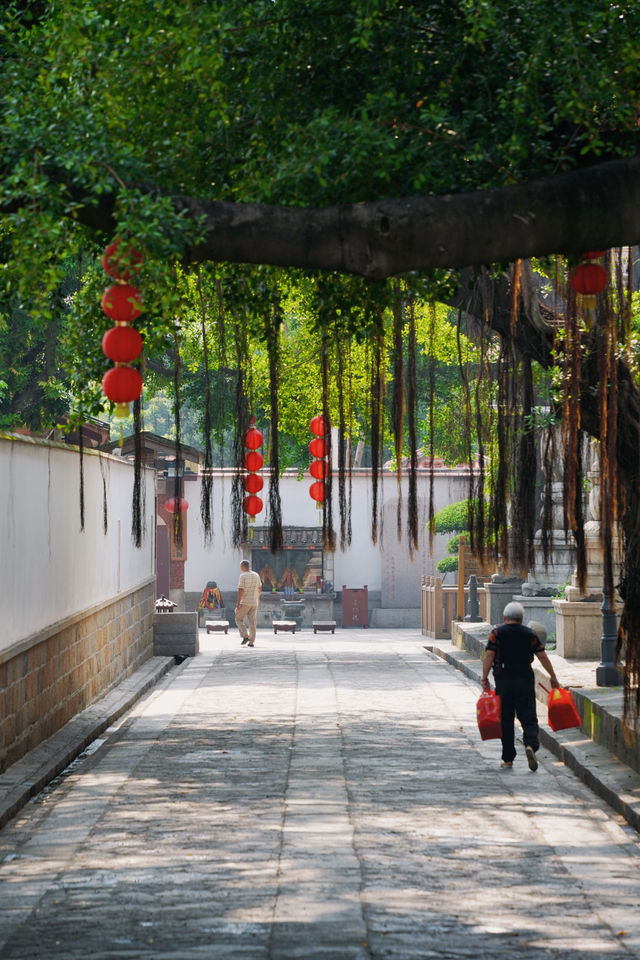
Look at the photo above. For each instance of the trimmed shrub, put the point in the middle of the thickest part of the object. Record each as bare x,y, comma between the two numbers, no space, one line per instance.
453,518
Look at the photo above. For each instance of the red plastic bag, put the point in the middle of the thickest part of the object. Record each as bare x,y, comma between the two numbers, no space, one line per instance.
489,715
562,709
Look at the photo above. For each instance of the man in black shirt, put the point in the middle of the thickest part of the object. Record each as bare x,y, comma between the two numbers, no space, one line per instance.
510,652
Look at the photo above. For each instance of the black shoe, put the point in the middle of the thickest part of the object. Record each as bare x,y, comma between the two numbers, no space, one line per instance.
244,640
532,760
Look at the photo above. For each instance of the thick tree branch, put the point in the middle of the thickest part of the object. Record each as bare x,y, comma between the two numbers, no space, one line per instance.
597,207
568,213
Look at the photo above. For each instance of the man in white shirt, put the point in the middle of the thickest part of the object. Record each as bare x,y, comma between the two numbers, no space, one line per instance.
249,588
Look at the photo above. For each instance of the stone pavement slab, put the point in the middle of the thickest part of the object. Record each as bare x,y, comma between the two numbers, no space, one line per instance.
318,797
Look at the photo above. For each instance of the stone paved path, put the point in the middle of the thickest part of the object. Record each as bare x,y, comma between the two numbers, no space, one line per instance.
316,797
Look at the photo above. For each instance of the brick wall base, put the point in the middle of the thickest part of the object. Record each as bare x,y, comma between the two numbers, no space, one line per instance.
47,679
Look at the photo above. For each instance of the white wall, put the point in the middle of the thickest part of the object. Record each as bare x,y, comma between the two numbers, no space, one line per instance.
49,568
363,563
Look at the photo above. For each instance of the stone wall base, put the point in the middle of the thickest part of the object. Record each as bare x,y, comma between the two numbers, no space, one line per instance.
47,679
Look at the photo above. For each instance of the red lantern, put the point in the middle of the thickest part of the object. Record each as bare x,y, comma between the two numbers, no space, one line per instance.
593,254
319,469
122,303
319,427
253,483
316,491
174,506
253,461
122,384
122,344
318,447
252,505
121,264
253,439
588,279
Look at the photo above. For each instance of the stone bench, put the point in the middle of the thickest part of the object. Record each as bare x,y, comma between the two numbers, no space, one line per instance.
218,626
324,626
284,625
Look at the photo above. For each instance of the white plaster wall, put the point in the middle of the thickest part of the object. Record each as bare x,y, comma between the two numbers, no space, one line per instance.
49,568
363,563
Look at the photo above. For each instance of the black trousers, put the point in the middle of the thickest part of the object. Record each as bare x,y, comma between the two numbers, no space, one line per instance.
516,689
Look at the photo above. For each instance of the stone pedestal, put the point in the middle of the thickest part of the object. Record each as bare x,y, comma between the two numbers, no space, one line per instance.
500,592
578,629
561,564
175,634
546,581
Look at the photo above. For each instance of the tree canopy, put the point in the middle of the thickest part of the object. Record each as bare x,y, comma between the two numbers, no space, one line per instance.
371,131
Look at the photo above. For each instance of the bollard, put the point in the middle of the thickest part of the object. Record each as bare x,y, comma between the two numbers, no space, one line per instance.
473,607
607,673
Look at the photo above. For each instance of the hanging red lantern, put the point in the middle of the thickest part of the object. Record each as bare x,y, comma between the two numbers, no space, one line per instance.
122,303
319,469
122,344
122,384
252,505
253,483
121,261
316,491
253,461
176,506
318,448
253,439
593,255
588,279
319,426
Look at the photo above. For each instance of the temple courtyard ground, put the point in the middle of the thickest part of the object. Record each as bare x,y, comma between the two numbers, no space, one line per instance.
314,797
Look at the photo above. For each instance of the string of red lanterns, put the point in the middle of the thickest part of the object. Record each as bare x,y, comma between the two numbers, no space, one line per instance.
252,481
319,467
122,344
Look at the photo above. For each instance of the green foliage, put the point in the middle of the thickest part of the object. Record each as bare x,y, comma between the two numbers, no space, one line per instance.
453,518
447,564
251,101
453,544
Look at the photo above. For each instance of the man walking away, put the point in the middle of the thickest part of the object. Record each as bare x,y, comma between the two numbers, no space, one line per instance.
510,651
249,589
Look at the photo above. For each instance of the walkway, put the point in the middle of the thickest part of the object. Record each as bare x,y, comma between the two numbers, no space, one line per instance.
316,797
